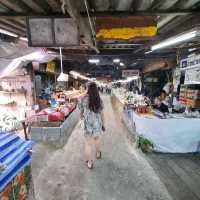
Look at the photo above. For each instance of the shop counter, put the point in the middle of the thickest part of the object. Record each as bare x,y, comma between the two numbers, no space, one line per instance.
56,135
168,135
171,135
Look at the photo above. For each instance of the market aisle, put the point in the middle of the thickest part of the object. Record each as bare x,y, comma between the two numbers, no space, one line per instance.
121,174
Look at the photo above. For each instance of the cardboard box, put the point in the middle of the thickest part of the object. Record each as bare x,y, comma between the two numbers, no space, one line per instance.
193,103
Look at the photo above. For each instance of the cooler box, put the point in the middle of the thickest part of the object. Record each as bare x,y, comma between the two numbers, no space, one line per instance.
15,161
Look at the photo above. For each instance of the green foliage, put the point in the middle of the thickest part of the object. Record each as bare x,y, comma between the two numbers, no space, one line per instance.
145,145
16,190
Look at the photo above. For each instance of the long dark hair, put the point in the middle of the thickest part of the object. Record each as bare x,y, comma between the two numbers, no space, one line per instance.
95,103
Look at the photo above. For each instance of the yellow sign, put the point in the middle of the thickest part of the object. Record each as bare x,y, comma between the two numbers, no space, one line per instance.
126,33
51,67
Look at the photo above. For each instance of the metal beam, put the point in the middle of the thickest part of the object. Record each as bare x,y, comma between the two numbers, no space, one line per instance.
44,5
141,5
19,21
12,24
163,5
91,4
102,5
15,5
13,30
106,13
55,5
3,8
183,4
144,13
34,6
168,28
72,8
123,5
181,25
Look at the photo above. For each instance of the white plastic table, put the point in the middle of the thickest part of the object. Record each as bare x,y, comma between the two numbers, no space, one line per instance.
170,135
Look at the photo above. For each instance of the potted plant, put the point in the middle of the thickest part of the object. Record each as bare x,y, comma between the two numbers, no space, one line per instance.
145,145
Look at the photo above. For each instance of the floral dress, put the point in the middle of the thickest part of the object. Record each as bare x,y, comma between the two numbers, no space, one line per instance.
92,121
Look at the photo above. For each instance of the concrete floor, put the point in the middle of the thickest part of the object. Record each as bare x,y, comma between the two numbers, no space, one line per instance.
123,173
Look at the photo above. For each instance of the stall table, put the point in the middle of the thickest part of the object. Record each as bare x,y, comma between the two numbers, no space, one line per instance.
173,135
58,133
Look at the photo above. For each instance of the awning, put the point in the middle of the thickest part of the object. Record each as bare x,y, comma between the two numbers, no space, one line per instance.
20,55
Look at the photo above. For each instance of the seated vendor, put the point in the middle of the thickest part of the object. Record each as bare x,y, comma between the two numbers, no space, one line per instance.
160,106
169,92
163,97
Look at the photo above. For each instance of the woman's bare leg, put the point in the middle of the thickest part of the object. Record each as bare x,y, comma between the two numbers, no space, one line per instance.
88,149
97,142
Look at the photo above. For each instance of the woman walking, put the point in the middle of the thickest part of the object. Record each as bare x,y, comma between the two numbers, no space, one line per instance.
92,114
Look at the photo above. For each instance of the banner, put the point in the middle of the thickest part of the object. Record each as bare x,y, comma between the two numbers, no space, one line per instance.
51,67
193,61
192,76
130,72
125,28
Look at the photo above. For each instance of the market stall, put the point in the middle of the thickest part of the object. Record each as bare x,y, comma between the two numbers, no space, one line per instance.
55,123
16,100
176,134
172,132
15,170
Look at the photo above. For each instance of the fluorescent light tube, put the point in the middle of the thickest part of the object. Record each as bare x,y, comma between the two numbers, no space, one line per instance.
192,49
96,61
121,64
78,75
8,33
24,39
116,60
174,40
147,52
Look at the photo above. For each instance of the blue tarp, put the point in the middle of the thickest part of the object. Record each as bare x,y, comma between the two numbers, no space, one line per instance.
14,156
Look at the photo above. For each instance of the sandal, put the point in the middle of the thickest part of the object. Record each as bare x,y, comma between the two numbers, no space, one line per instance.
89,164
98,155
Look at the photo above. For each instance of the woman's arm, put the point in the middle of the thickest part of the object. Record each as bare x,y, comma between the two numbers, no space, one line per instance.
81,108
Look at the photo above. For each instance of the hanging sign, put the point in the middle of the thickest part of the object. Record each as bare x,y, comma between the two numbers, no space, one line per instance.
130,72
193,61
192,76
52,32
125,28
51,67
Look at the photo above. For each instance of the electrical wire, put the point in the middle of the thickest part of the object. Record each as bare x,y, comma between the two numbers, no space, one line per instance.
90,22
63,6
61,60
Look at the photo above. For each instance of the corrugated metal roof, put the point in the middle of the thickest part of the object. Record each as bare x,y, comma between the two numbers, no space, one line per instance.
50,7
13,13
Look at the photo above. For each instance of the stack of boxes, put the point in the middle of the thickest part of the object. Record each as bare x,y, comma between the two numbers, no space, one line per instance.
193,98
183,95
190,96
